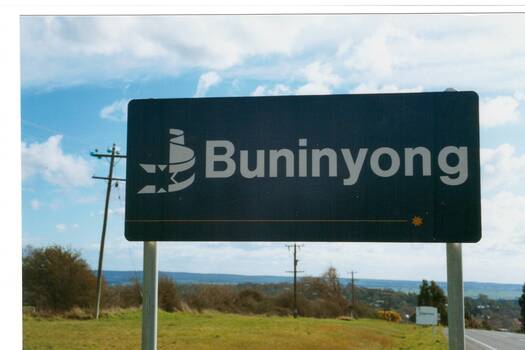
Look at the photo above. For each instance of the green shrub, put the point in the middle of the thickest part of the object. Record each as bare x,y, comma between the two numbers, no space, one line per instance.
57,279
365,311
169,299
123,296
213,297
252,301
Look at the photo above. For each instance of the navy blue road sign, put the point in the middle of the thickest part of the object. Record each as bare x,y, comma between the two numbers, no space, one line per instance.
369,168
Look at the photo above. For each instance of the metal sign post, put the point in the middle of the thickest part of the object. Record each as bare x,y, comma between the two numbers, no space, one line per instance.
456,316
150,297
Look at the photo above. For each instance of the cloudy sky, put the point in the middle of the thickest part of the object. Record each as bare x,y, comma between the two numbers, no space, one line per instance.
78,73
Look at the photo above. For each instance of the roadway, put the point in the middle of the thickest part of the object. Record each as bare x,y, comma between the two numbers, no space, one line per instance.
476,339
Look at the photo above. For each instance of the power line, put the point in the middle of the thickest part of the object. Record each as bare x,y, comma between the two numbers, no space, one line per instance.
52,131
295,262
112,156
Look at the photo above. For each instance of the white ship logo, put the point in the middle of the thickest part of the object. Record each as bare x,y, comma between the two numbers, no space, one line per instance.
181,160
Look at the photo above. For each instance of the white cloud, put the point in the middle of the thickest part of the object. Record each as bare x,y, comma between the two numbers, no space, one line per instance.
117,111
372,88
439,52
504,220
206,81
320,79
432,51
35,204
278,89
501,168
519,95
63,227
114,211
103,49
500,250
381,53
372,55
314,258
373,260
345,47
313,89
118,211
498,111
87,199
48,161
259,91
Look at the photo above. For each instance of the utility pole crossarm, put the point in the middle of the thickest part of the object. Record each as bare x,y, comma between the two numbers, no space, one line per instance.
107,178
104,155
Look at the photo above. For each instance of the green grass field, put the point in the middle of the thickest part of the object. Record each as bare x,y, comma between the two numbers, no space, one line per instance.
212,330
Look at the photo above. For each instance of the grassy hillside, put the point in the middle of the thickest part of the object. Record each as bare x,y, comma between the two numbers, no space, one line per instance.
212,330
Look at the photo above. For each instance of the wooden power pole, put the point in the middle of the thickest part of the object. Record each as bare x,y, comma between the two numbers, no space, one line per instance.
112,155
295,262
353,292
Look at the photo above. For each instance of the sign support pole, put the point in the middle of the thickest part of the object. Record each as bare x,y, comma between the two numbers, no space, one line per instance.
150,297
456,313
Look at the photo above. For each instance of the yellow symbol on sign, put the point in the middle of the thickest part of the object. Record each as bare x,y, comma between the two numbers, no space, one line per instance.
417,221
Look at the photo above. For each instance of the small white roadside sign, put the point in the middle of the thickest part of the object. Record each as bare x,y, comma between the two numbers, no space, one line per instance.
426,315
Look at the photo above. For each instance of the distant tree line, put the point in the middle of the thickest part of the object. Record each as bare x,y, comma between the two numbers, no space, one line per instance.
58,280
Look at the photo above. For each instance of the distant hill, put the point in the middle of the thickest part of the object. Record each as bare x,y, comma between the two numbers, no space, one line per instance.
472,289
